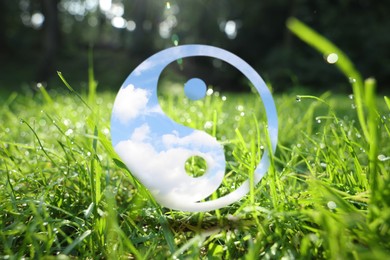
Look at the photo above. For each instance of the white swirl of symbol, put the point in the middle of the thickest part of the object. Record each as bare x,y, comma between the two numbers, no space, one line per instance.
155,148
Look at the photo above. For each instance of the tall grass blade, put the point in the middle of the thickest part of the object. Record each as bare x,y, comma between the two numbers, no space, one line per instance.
71,89
387,100
92,83
324,46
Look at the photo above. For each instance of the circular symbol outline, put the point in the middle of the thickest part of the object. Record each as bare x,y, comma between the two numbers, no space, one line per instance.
159,61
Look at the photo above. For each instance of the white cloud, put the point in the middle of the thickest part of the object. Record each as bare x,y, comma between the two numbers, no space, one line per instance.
130,103
196,139
141,133
163,171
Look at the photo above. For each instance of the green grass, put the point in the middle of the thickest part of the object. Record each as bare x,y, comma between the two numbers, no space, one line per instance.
64,192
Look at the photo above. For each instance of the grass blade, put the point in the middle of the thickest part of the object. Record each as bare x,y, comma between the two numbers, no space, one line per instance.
77,241
324,46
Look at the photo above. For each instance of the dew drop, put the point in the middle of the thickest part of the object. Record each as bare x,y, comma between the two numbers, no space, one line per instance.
69,132
331,205
209,92
383,158
298,98
208,125
332,58
352,80
350,96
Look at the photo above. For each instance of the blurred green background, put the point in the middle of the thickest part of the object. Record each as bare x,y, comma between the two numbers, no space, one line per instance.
40,37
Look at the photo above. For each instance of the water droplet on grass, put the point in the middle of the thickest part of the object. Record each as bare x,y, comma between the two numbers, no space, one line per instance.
383,157
298,99
208,125
42,122
332,58
331,205
352,80
69,132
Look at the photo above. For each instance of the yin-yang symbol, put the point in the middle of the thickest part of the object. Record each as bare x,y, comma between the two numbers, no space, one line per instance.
155,148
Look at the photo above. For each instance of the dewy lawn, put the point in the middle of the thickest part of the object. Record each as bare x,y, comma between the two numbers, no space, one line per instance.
65,193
